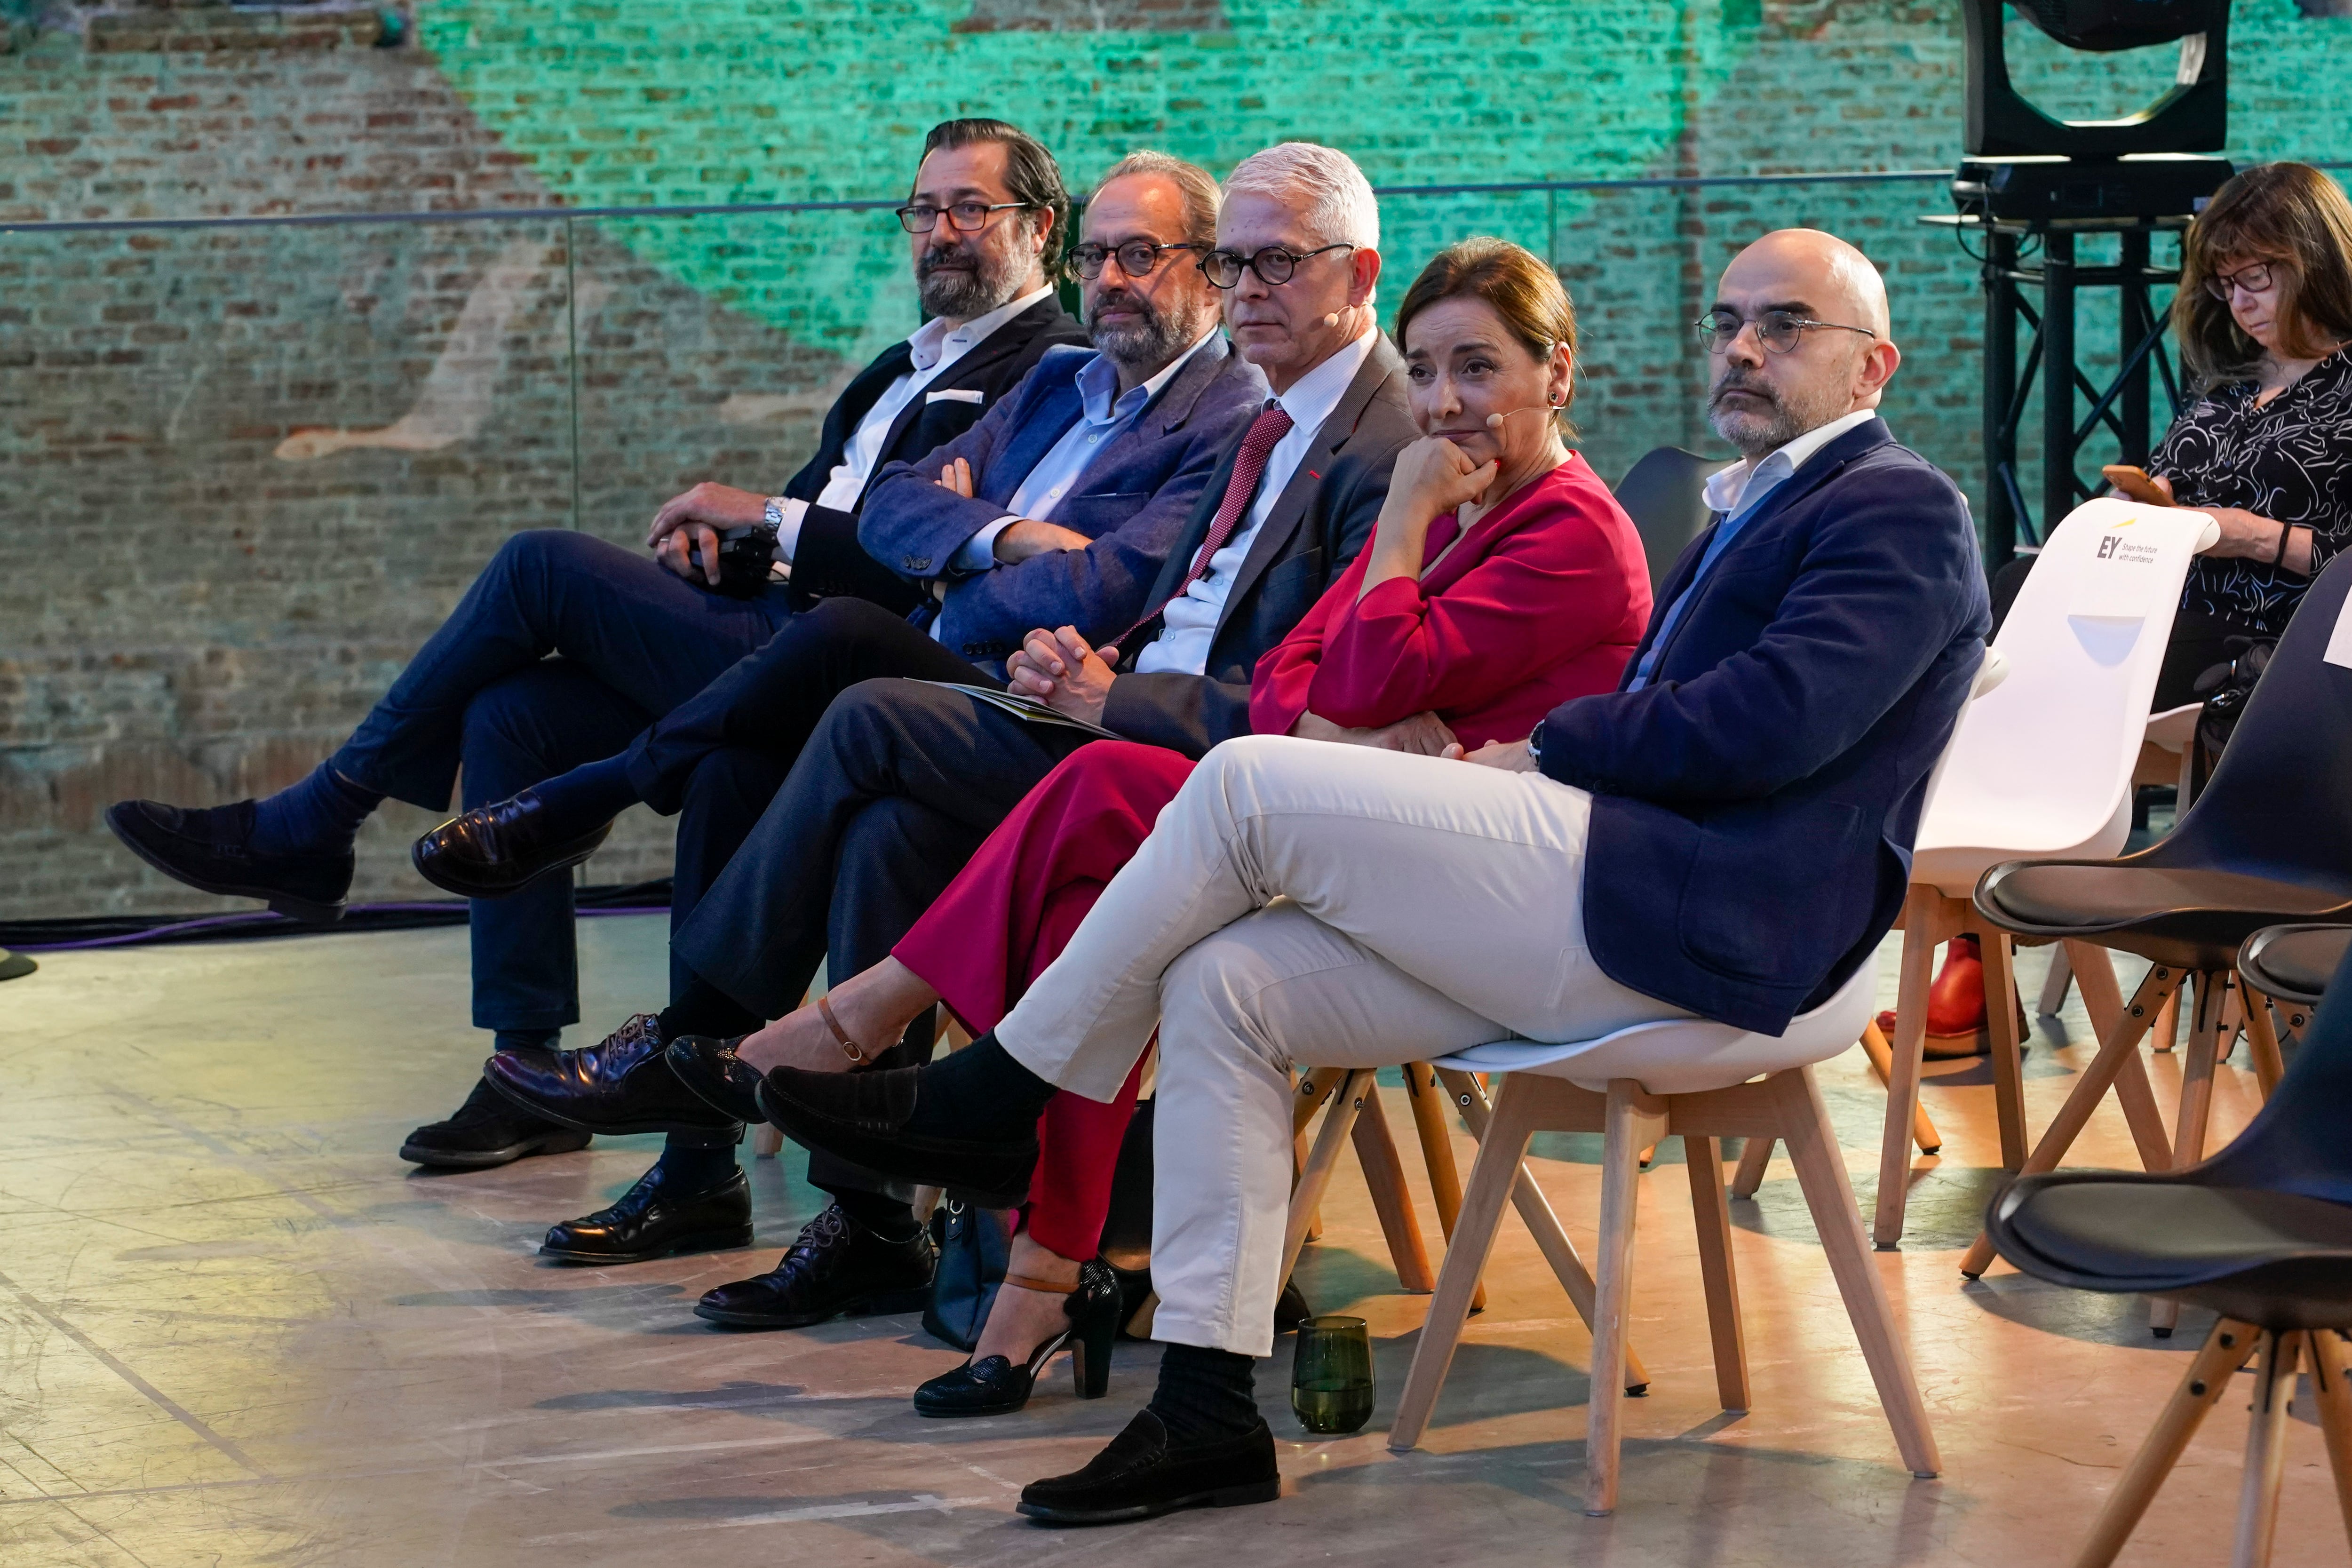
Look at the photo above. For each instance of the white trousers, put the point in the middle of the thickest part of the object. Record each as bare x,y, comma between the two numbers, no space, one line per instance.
1301,902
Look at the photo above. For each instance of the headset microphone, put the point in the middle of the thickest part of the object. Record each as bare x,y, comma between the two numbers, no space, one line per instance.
1332,319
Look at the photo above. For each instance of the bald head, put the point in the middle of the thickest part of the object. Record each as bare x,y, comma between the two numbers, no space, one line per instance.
1762,399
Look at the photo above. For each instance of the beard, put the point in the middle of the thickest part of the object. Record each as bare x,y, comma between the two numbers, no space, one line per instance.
1787,417
962,281
1153,339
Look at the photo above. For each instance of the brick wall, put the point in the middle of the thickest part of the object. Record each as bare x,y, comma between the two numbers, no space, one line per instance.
196,600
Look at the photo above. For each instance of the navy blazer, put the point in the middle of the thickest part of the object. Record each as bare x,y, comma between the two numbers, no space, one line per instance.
1754,805
1132,501
1323,516
827,560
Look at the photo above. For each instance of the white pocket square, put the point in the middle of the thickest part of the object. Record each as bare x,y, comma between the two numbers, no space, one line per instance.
956,395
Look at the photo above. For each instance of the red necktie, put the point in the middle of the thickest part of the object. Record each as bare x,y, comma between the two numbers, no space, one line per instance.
1265,433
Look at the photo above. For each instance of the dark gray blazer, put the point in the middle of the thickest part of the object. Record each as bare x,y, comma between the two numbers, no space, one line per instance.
1325,515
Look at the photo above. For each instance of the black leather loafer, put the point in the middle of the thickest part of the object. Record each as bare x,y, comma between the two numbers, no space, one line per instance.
836,1269
711,1069
862,1118
648,1223
210,852
488,1131
496,849
1140,1476
621,1084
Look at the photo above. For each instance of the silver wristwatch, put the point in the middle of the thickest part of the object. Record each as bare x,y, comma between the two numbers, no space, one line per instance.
1535,745
773,514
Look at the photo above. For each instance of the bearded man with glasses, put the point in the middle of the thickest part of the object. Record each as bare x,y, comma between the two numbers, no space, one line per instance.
567,645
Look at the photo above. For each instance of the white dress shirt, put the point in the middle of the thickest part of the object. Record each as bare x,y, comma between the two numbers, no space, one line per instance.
1736,492
1190,624
934,347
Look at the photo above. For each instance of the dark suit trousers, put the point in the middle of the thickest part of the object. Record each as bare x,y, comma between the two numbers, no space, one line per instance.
631,641
894,789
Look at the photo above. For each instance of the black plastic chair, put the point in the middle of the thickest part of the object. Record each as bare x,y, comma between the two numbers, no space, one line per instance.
2293,963
1665,492
2261,1234
2269,842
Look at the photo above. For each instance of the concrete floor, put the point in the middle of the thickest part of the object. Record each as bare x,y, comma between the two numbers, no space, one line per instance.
238,1331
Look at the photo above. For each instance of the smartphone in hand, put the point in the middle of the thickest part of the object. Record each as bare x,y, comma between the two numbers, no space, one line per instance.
2135,485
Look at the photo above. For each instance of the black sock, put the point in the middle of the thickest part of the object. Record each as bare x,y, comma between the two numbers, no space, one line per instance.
1205,1395
980,1092
318,816
879,1213
584,799
683,1168
701,1008
525,1039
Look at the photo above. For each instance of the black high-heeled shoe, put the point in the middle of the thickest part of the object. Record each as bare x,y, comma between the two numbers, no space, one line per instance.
993,1386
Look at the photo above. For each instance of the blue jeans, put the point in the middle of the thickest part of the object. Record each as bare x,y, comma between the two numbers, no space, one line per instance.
563,649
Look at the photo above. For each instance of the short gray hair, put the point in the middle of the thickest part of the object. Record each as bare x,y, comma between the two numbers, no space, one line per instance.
1338,205
1198,187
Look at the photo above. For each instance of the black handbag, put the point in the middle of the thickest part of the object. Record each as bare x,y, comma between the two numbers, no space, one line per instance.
2224,688
975,1245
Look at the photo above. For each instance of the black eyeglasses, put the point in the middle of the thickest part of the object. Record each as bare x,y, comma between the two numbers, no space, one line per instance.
1137,257
1778,330
1274,265
968,217
2254,279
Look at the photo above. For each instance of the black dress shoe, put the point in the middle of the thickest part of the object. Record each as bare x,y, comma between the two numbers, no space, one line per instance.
1142,1476
649,1222
836,1269
488,1131
862,1118
992,1385
712,1069
496,849
621,1084
210,852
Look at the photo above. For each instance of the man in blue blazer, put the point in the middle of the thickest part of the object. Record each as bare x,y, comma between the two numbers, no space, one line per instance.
1727,834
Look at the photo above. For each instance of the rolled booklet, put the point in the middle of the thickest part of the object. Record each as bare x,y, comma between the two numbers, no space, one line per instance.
1027,709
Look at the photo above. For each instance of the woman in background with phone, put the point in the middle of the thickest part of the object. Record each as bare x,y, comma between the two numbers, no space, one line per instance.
2263,317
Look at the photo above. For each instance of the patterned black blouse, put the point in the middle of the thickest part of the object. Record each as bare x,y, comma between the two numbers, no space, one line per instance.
2290,461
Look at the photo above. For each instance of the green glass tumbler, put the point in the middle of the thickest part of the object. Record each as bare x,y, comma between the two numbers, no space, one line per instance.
1331,1375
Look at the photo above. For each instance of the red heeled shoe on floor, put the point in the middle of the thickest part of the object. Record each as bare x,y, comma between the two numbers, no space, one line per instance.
1956,1005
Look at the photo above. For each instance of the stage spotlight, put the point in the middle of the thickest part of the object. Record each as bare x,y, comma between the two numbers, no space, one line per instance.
2191,116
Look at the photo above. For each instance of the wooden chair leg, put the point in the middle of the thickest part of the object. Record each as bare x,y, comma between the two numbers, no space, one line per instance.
1881,1056
1317,1173
2165,1036
1923,926
2102,1001
1821,1172
2258,1491
1536,1214
767,1141
2008,1049
1632,1119
2122,1042
1429,1122
2197,1068
1376,1152
1315,1085
1502,1149
1712,1213
2330,1375
1755,1158
2056,984
2208,1378
2261,1039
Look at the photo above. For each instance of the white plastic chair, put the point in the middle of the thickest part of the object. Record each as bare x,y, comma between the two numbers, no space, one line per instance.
2041,765
1702,1080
